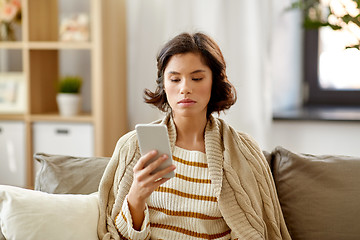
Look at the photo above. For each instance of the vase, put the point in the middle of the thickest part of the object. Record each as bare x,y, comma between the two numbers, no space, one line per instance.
7,32
68,104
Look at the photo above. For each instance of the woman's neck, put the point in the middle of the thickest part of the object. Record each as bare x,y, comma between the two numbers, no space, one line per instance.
190,133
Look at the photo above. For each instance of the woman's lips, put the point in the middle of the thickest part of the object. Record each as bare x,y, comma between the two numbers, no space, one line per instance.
186,102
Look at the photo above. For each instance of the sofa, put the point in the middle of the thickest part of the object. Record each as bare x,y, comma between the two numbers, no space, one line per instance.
319,196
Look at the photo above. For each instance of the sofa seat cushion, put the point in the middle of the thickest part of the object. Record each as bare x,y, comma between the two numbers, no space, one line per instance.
69,174
319,194
33,215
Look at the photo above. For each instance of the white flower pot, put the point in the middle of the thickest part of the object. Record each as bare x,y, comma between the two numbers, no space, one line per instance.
68,104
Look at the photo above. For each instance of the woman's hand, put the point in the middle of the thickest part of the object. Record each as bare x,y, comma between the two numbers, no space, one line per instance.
144,183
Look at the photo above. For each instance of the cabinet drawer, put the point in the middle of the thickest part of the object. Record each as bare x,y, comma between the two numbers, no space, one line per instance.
12,153
75,139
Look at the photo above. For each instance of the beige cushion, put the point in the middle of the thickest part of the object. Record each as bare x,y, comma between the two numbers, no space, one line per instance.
33,215
319,195
67,174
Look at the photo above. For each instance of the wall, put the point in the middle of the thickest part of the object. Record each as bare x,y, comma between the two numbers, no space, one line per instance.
152,19
317,137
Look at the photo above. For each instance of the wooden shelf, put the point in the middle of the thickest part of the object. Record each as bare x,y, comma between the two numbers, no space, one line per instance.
59,45
48,117
46,45
12,117
41,63
55,117
11,45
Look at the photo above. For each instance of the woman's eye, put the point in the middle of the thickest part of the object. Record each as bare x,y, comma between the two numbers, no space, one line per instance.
197,79
175,80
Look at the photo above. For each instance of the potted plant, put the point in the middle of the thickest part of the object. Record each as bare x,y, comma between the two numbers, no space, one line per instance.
339,15
68,97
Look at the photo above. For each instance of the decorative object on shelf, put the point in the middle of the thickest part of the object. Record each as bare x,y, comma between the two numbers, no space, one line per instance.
12,93
10,13
75,28
338,14
68,97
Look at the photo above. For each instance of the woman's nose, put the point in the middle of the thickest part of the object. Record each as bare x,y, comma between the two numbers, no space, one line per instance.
186,87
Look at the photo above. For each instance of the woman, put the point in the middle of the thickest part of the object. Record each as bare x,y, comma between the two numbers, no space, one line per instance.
223,187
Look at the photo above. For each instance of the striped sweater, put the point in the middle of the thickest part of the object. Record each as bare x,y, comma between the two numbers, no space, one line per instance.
185,207
239,174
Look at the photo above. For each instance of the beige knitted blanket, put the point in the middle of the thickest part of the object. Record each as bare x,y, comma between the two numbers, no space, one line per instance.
241,176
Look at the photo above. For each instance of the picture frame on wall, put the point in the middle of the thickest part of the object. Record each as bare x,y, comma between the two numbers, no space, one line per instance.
12,93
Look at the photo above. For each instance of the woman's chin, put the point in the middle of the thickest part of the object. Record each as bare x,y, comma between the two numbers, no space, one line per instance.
188,113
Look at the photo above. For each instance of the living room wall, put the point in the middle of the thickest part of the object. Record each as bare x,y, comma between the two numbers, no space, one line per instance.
317,137
154,22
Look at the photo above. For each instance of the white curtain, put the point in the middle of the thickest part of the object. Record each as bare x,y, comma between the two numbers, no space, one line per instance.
242,28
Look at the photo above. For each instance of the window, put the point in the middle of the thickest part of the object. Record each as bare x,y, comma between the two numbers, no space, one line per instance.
331,72
332,78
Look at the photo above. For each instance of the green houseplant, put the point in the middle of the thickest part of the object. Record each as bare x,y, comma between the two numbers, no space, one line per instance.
68,97
70,84
337,14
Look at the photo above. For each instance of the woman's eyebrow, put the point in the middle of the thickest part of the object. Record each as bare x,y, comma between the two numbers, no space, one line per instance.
198,71
173,73
177,73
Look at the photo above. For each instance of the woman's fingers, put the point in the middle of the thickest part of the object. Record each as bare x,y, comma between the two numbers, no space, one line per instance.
144,159
159,182
155,164
145,180
160,174
147,168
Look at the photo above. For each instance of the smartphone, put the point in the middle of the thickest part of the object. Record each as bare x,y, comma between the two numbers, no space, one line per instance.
155,137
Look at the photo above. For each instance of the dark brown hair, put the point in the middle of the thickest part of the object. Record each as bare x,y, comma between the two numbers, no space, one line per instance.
223,93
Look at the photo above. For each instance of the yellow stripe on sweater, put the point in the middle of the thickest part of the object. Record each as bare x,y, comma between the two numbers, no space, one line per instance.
186,195
195,164
190,233
195,180
123,216
184,214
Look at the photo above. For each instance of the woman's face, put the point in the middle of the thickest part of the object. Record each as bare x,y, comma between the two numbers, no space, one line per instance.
187,83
